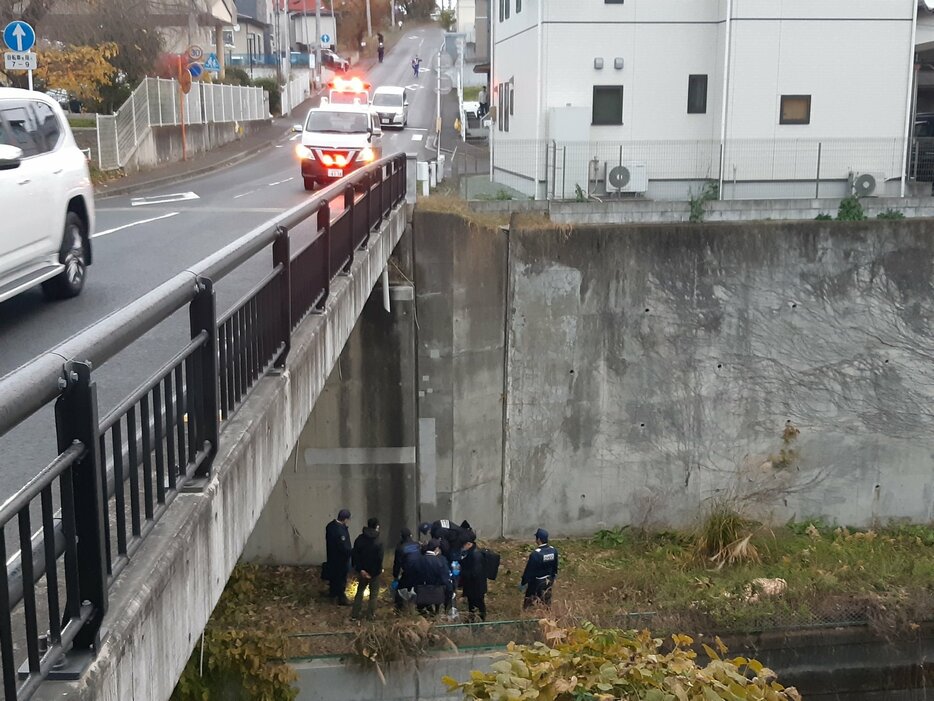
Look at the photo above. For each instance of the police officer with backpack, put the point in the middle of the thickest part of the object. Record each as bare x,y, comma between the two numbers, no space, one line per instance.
540,571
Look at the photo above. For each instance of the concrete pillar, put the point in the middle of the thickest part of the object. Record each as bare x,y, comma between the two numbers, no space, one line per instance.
358,448
219,47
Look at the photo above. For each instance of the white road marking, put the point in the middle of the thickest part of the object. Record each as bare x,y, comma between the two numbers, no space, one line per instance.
136,223
279,182
417,128
244,194
163,199
416,137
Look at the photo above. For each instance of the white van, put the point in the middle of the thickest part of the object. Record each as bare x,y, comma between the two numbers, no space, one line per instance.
391,103
336,140
46,199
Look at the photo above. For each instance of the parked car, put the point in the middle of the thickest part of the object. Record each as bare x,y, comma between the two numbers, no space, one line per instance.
392,105
331,60
46,199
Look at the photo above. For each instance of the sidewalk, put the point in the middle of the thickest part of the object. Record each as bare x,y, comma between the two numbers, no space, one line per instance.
202,163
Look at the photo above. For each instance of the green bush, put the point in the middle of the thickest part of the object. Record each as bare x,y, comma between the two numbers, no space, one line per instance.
893,214
236,76
851,210
823,217
271,86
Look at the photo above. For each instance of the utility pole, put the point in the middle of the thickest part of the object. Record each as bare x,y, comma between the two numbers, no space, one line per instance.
318,40
392,13
439,123
369,22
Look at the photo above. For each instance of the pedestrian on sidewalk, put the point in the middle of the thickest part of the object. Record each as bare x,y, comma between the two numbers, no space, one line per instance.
484,101
367,559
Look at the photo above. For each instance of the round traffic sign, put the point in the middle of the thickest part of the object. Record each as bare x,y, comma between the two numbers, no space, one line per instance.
195,69
19,36
184,79
325,38
195,52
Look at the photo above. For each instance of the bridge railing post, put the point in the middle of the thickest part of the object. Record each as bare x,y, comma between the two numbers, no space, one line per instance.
202,317
281,255
76,419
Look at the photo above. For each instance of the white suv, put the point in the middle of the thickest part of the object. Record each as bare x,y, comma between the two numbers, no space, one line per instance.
46,199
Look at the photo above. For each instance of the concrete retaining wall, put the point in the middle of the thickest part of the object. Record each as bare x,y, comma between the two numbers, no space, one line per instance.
164,144
648,211
160,604
652,368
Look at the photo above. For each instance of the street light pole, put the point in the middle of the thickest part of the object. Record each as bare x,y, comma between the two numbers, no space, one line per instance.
369,22
392,13
318,40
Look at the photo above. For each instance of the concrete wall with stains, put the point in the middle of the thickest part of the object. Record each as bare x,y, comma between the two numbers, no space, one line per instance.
653,368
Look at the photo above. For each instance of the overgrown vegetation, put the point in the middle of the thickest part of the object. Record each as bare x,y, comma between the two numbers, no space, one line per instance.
586,662
698,203
241,655
851,209
893,214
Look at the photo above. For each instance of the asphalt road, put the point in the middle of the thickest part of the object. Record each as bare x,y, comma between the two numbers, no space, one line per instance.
145,238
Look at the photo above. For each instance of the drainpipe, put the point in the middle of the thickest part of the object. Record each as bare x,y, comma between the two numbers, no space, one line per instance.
910,96
726,87
492,81
538,97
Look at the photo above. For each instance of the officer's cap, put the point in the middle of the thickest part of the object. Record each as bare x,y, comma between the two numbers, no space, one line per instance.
424,527
343,515
542,535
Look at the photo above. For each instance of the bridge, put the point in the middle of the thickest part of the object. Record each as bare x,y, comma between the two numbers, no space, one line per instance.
118,550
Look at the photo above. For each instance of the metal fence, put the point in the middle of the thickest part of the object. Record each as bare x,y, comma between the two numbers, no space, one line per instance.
160,102
116,476
294,93
747,167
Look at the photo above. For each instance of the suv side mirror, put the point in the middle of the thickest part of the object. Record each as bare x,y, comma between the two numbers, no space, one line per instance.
10,157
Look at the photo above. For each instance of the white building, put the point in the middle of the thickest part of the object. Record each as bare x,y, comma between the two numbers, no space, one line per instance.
466,19
814,91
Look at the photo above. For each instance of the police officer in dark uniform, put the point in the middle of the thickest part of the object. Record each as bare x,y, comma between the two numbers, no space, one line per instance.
540,571
337,539
405,567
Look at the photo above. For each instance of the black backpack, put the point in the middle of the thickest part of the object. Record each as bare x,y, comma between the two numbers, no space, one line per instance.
490,563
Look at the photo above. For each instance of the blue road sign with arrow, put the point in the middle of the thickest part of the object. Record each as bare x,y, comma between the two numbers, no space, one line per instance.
325,38
19,36
212,64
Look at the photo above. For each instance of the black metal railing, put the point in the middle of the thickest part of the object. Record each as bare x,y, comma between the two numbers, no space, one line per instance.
114,478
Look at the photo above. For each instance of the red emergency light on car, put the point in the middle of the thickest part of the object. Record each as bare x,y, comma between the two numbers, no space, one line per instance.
349,85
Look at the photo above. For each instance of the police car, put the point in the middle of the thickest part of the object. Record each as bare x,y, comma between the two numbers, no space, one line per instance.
337,139
348,91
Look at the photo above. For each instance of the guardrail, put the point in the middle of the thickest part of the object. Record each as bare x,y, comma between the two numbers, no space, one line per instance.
117,476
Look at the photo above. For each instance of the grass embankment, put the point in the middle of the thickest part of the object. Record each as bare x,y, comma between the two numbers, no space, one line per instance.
882,578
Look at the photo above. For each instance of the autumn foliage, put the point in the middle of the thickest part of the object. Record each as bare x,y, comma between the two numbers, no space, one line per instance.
79,70
606,665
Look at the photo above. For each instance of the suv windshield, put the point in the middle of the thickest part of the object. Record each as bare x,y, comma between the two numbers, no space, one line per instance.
337,122
385,99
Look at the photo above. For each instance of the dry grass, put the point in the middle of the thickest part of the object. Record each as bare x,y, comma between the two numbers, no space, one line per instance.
627,579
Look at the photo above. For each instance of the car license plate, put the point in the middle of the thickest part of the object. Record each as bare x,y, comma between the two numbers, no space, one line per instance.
335,173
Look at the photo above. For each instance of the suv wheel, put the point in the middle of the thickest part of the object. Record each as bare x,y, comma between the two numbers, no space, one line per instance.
73,255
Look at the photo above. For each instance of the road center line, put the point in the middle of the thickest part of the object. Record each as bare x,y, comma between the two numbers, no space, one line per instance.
136,223
244,194
279,182
163,199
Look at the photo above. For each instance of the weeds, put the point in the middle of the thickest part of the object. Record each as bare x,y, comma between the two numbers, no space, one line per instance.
698,204
892,214
404,640
823,217
611,538
851,209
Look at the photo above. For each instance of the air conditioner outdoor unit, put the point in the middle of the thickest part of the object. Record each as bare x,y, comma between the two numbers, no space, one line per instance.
867,184
611,177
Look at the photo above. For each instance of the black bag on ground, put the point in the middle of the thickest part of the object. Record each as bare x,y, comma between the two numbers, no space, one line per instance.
429,595
490,563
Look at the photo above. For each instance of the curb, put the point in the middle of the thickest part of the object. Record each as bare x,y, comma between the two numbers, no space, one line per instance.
233,160
187,175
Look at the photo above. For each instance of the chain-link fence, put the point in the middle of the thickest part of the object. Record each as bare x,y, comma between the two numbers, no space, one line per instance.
672,169
160,102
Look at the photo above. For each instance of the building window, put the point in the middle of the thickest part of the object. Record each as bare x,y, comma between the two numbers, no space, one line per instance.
607,104
508,4
796,109
518,6
613,2
502,9
697,94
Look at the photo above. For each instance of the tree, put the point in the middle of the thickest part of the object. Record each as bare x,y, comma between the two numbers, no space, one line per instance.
79,70
31,11
418,9
603,665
